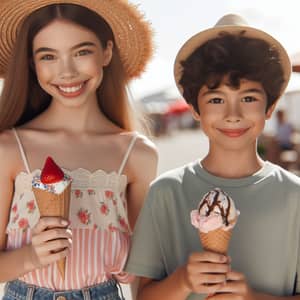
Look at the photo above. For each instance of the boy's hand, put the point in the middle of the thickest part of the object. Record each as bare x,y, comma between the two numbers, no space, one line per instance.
235,288
51,241
205,272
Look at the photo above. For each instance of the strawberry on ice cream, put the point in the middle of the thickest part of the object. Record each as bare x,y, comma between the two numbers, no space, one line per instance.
52,178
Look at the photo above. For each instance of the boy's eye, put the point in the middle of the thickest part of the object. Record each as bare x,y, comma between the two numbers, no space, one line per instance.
248,99
47,57
83,52
216,101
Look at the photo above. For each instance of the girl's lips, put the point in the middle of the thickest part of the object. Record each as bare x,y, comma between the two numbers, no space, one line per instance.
234,132
71,90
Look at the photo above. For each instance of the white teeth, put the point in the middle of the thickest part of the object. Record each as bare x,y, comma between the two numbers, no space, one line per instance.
72,89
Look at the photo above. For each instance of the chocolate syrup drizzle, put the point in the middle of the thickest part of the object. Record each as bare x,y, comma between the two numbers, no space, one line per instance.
216,202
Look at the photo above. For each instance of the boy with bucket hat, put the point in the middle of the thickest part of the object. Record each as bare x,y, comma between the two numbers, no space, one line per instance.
231,75
66,66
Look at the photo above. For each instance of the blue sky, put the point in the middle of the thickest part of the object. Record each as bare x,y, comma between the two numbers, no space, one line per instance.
174,21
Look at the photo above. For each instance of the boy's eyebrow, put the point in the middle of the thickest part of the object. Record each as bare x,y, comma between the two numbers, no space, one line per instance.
83,44
212,91
250,90
254,90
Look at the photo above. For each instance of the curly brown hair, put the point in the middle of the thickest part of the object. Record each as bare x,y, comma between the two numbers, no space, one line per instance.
236,57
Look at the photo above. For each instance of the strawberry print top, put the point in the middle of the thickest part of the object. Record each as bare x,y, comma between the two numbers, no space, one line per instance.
99,224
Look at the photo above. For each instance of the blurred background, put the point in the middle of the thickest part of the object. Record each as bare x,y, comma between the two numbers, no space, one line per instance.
172,124
178,138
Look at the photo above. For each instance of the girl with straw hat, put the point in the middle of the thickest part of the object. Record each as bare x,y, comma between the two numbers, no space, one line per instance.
66,65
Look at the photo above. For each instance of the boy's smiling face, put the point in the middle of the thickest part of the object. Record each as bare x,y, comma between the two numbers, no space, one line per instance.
233,118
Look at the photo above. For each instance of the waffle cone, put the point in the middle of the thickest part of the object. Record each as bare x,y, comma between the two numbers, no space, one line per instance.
216,240
54,205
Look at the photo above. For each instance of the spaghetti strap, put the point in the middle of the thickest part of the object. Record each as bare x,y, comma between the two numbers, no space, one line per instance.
127,153
21,150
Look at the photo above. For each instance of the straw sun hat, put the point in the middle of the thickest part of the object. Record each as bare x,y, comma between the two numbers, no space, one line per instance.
132,32
232,24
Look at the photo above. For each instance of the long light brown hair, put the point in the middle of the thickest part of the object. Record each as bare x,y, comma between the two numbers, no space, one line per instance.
22,97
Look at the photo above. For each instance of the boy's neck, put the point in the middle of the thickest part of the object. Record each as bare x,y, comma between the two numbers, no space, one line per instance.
232,165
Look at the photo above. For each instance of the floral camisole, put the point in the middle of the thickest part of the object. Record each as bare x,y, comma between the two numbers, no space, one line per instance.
99,224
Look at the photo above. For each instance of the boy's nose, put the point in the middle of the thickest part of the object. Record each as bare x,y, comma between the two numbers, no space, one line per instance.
233,114
233,119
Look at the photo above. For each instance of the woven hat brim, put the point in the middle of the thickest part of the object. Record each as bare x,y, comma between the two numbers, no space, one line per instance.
202,37
133,34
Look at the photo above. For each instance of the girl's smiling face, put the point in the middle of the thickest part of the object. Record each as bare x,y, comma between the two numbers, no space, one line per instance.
69,61
233,118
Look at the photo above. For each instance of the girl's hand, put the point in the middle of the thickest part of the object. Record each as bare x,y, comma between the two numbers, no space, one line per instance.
235,288
206,272
51,241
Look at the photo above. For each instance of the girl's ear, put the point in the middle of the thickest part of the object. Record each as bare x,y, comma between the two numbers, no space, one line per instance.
108,53
270,111
195,114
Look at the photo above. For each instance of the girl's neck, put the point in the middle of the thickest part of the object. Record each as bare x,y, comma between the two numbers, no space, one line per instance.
86,118
232,165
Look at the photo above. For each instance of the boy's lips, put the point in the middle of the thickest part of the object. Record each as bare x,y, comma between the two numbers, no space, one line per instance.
233,132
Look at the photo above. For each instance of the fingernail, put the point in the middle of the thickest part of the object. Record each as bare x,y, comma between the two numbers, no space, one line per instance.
64,222
223,258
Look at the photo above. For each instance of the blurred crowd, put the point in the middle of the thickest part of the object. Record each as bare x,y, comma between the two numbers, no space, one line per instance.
282,147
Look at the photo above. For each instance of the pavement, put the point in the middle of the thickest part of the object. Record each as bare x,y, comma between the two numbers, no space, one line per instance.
175,149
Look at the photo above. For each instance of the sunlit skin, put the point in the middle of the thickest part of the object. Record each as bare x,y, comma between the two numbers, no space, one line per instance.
71,69
233,119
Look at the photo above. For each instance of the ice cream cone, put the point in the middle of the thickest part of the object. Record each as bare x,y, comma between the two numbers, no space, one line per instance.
54,205
215,218
216,240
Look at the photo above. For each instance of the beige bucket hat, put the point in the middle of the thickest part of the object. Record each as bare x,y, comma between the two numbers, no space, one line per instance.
233,24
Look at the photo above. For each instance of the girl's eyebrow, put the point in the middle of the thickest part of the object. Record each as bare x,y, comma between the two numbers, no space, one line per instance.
46,49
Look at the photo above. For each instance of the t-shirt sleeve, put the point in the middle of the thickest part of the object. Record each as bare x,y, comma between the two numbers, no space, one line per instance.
146,257
297,279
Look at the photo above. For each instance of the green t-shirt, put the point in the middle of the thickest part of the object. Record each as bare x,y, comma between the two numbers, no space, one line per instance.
264,244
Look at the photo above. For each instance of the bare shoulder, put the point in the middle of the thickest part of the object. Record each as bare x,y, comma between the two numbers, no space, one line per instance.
144,156
9,153
144,148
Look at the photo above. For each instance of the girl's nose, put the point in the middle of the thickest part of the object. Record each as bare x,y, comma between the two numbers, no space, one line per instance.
67,69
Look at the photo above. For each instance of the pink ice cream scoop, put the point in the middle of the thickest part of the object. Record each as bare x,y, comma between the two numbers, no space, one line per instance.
216,210
214,218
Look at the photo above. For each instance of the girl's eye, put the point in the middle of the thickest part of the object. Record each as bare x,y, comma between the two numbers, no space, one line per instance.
216,101
83,52
47,57
248,99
